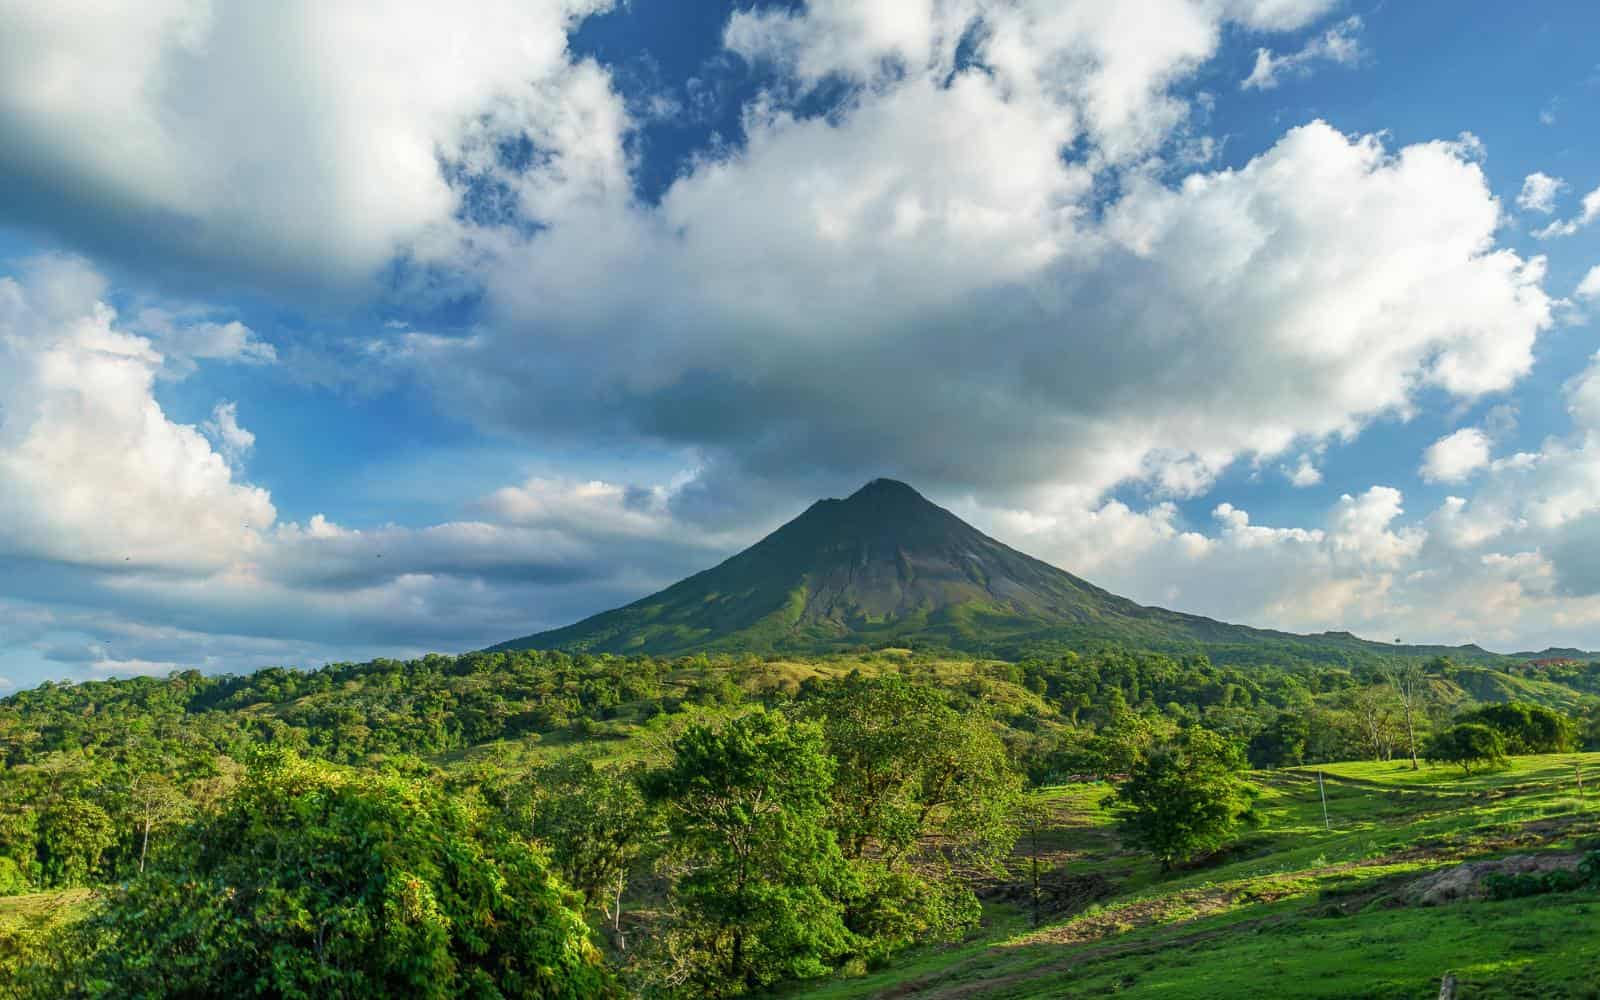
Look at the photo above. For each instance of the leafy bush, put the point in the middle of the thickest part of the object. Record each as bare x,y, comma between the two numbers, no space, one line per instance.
315,882
1467,744
1527,728
1184,798
12,878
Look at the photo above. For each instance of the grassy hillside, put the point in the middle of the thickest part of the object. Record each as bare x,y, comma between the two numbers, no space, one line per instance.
1296,909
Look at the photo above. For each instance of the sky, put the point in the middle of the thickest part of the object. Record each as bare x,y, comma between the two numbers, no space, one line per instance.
338,330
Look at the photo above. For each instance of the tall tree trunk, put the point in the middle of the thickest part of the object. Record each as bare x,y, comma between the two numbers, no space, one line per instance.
616,916
1411,737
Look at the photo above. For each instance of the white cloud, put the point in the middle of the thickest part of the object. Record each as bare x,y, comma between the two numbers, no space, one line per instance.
184,338
1304,473
1587,213
1458,575
92,472
1589,288
1539,193
932,285
1103,70
129,542
1511,566
1454,457
1345,573
233,441
288,141
1015,251
1339,45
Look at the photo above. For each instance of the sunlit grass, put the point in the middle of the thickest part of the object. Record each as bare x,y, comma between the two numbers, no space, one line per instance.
1301,908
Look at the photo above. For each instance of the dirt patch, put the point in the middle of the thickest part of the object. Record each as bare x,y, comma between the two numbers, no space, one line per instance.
1465,881
1059,894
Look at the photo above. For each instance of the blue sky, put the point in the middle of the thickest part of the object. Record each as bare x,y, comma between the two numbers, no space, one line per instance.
329,334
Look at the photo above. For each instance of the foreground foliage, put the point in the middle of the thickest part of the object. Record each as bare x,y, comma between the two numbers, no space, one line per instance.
726,826
312,882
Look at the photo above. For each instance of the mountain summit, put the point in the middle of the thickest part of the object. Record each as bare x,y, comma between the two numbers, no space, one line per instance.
887,566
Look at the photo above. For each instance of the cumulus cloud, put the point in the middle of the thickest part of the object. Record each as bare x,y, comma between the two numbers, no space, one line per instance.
1455,575
1103,70
1589,288
1340,45
318,590
993,266
233,441
1454,457
1304,473
146,530
185,338
297,142
92,472
1511,566
932,285
1587,213
1539,193
1347,571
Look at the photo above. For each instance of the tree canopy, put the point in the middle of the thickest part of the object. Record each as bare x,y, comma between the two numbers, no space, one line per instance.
316,882
1184,797
759,895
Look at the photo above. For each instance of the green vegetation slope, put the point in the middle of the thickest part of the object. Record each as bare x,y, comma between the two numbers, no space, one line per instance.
886,567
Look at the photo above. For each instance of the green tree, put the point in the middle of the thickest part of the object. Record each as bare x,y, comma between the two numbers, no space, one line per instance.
1467,744
1183,797
596,823
154,804
315,882
760,876
73,835
911,768
1282,742
1527,728
1376,714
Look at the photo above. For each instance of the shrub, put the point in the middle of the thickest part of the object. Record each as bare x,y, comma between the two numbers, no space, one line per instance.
316,882
1498,885
1527,728
1467,744
1184,798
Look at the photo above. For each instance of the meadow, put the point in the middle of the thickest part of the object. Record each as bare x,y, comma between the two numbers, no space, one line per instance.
1297,908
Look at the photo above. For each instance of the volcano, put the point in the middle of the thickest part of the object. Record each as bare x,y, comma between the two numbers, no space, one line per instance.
887,567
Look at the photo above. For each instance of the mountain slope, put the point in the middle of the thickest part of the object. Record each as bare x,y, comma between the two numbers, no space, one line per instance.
887,566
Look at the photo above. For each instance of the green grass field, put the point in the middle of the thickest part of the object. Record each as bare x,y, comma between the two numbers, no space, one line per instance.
1297,909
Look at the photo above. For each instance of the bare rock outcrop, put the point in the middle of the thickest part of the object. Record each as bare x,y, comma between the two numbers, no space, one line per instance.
1465,881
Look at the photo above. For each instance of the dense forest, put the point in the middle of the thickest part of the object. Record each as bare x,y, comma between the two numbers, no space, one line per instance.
527,823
